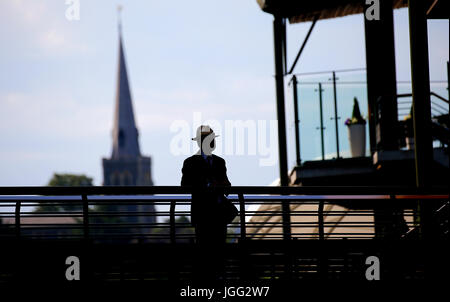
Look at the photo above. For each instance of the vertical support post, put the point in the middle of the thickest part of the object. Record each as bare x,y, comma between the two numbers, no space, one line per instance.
173,272
85,216
279,30
420,91
320,220
296,121
242,216
321,122
336,117
381,79
448,85
17,219
172,222
322,252
286,216
423,144
243,236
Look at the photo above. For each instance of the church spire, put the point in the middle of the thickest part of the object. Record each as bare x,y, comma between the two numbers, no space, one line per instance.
125,133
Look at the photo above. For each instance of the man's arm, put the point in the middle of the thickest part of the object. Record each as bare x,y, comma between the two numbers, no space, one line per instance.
226,181
186,178
223,181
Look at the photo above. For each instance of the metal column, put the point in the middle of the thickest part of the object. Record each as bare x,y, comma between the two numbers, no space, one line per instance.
297,122
423,143
420,91
279,33
279,30
381,79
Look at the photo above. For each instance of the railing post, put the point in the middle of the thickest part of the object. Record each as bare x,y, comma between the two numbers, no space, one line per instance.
336,117
17,219
285,206
320,218
287,236
296,121
321,121
85,216
448,84
323,255
173,275
242,216
172,222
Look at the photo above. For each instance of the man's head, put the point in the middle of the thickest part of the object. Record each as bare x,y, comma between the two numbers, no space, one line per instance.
205,139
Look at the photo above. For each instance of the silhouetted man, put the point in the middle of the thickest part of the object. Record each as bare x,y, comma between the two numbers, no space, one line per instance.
206,170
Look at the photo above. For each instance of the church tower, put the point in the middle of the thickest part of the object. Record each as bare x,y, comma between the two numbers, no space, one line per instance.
127,166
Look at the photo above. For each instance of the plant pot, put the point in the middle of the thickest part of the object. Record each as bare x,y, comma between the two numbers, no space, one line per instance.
357,139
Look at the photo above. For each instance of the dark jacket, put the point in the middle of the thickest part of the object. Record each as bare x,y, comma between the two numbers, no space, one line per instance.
198,173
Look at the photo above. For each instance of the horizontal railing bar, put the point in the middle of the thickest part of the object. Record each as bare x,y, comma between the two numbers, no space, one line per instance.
256,201
188,224
26,197
141,190
179,214
180,236
127,227
330,71
271,200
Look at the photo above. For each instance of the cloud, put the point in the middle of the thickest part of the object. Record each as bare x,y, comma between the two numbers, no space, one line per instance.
24,11
243,97
55,115
37,28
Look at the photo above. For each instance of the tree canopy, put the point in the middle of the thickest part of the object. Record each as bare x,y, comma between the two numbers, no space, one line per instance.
64,180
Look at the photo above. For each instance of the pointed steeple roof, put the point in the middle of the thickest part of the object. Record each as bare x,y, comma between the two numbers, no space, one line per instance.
125,133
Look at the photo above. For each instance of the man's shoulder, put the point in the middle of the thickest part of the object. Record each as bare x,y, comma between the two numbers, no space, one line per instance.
195,158
192,159
218,158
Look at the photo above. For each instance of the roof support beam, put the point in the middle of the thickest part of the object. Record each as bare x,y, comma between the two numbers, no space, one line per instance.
303,46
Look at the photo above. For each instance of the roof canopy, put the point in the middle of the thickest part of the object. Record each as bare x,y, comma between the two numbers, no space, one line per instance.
306,10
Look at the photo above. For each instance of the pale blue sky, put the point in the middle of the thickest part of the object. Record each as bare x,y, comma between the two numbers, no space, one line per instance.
57,79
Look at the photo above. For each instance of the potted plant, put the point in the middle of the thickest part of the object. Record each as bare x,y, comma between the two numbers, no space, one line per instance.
356,131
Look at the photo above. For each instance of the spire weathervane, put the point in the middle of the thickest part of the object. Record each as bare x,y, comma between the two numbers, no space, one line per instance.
119,17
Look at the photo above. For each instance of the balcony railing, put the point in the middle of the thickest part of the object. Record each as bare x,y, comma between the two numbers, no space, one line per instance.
322,101
162,213
289,233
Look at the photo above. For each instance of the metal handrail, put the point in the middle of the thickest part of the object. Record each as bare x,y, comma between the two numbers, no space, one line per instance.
49,192
405,95
361,199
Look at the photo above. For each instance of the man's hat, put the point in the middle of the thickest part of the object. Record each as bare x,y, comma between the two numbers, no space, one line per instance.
204,130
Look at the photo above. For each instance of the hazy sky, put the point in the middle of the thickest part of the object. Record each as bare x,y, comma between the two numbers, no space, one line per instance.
58,78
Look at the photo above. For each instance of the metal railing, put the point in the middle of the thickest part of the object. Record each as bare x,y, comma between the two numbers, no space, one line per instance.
327,96
161,213
439,105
